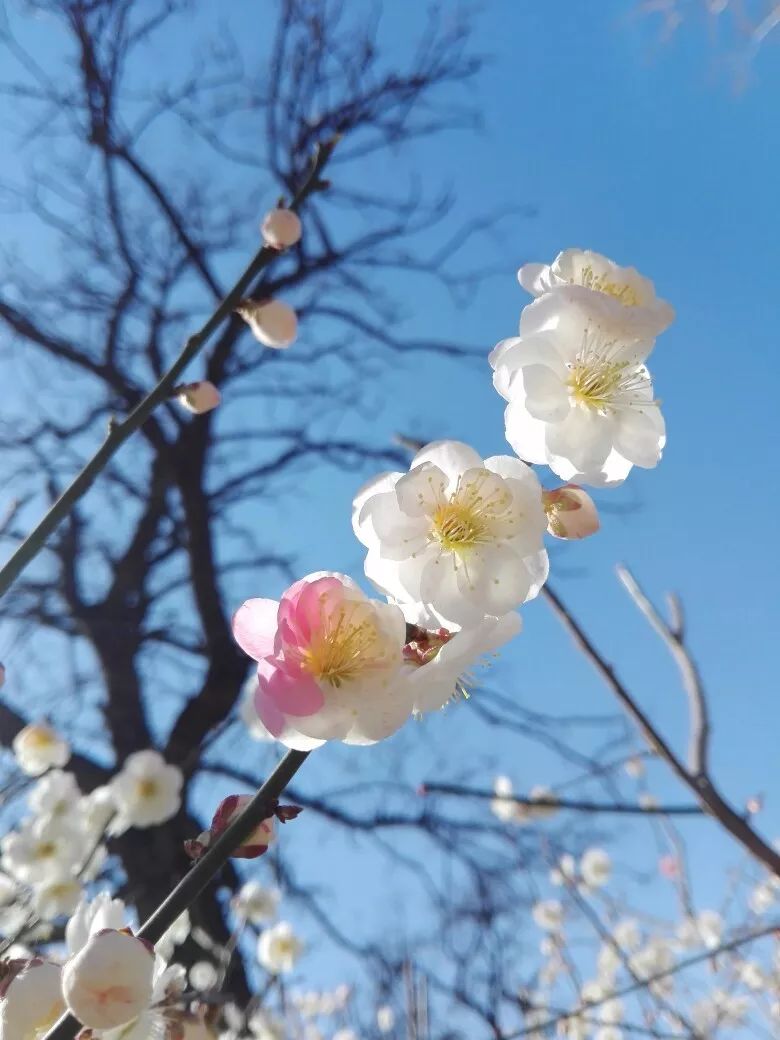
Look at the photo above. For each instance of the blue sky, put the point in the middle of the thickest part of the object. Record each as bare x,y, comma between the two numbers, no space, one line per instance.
646,152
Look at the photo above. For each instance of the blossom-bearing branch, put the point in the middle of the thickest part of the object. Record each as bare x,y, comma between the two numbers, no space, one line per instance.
207,867
120,431
576,805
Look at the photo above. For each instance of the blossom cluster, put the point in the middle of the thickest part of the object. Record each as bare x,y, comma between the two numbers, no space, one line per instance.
456,544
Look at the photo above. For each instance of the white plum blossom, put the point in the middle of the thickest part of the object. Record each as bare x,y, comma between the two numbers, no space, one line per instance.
655,957
109,982
608,1033
706,929
55,794
514,812
459,535
595,868
40,850
717,1010
38,747
91,917
146,791
502,805
627,935
608,963
278,948
752,975
763,897
32,1003
56,897
624,299
96,809
256,903
203,976
564,872
548,915
385,1018
580,400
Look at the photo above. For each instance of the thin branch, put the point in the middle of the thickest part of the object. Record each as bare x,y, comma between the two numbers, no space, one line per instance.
616,808
119,432
672,635
701,786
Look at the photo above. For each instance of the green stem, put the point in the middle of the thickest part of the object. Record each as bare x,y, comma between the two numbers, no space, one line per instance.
207,867
119,432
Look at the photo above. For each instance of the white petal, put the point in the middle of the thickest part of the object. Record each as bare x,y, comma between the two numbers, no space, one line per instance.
453,457
640,435
584,438
533,278
421,490
546,395
526,434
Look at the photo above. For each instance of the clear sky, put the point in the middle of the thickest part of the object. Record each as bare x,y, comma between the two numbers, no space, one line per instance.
648,152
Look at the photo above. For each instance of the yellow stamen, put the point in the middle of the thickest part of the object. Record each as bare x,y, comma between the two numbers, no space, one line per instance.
147,788
467,517
344,646
619,291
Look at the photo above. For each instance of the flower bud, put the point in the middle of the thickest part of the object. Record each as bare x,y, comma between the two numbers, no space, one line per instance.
571,512
198,397
281,228
109,981
272,322
32,1002
38,747
250,848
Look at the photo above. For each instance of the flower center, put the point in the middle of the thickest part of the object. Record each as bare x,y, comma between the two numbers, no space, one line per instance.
468,517
147,789
601,381
619,291
46,850
342,648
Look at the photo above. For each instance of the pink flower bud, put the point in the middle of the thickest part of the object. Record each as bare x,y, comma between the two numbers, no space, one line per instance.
272,322
281,228
571,512
198,397
253,846
108,982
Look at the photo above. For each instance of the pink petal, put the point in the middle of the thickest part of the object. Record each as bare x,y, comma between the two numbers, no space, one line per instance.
292,690
254,627
273,719
300,608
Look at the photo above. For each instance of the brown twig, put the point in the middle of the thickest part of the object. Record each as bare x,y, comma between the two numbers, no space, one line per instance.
701,785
